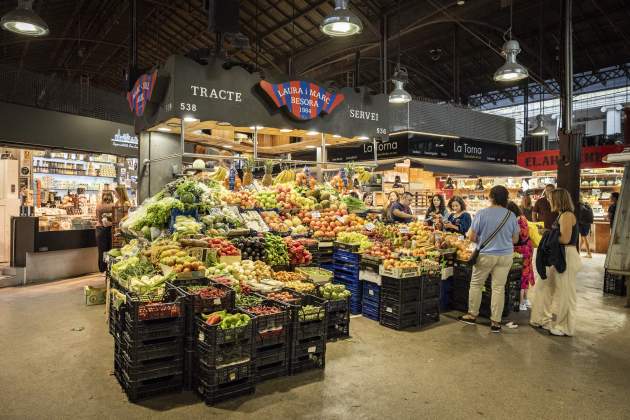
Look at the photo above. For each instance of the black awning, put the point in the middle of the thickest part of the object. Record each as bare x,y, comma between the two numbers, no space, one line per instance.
470,168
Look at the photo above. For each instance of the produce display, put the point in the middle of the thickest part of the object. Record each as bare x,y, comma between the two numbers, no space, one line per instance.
262,310
311,313
274,221
223,247
186,225
276,250
286,297
252,248
354,238
227,321
300,286
334,292
288,276
298,254
266,199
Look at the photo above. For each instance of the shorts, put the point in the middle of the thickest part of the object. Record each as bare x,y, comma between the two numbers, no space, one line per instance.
585,229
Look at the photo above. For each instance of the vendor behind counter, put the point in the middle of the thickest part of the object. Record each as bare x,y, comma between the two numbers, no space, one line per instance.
400,210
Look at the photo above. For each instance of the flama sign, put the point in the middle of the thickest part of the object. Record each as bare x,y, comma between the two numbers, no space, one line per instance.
304,100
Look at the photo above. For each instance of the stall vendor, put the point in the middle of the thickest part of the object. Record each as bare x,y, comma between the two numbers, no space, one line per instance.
401,210
459,220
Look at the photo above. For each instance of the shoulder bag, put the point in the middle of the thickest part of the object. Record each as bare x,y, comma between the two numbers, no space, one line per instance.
475,254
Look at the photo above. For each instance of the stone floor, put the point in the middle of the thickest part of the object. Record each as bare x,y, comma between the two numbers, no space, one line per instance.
56,362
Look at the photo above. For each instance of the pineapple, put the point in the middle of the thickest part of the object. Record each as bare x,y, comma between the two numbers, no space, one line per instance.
248,167
267,180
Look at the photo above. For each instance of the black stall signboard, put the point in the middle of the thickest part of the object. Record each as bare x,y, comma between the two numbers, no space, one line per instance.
224,93
460,149
386,149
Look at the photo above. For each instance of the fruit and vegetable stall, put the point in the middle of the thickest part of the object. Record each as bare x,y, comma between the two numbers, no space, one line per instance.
224,283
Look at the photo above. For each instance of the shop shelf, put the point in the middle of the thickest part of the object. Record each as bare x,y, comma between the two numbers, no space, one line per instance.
141,389
145,350
614,284
213,335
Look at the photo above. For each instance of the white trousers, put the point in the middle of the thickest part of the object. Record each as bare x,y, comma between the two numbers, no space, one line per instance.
554,300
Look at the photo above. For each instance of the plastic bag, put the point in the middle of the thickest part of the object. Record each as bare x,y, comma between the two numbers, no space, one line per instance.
534,232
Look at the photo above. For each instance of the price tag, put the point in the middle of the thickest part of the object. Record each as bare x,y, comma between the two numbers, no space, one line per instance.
232,376
447,272
388,309
315,215
201,336
403,229
312,349
341,219
369,227
217,301
371,292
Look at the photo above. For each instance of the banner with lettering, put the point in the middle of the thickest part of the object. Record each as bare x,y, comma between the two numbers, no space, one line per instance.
304,100
547,160
141,93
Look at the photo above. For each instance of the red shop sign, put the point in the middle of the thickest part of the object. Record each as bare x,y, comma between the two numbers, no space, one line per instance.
547,160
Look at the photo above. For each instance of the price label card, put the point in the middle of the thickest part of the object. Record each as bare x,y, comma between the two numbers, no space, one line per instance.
232,376
201,336
341,219
447,272
403,229
315,215
371,292
312,349
217,301
369,227
388,309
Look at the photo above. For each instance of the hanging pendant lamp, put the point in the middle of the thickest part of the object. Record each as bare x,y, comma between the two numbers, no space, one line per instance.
399,95
511,71
540,129
341,22
24,21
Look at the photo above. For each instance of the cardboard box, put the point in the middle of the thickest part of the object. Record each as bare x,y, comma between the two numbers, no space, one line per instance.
94,295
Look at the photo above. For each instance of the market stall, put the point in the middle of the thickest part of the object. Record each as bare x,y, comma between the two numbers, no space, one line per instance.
58,180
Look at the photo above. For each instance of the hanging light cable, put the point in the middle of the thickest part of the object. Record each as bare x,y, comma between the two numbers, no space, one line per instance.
540,129
341,22
399,95
511,71
24,21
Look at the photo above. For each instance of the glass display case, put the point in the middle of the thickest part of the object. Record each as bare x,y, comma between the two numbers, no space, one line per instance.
66,222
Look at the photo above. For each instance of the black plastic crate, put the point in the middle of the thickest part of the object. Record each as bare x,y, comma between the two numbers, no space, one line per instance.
275,370
309,329
348,248
307,354
197,304
392,284
148,388
396,309
402,296
213,335
271,355
168,305
263,323
149,369
223,354
273,337
189,359
431,286
338,325
429,312
614,284
216,376
153,329
214,394
141,350
398,323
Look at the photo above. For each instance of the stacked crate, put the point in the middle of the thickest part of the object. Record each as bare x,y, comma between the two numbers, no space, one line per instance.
614,284
371,296
195,304
429,306
338,319
308,336
324,255
272,342
223,363
400,302
346,269
148,342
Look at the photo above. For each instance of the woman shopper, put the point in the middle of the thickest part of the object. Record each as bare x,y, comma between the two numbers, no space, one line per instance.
104,217
392,198
495,231
437,212
585,220
459,220
555,300
526,249
526,207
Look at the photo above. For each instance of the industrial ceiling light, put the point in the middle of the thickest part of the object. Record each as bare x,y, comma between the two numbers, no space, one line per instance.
190,119
461,2
399,95
164,129
341,22
363,138
540,129
511,71
24,21
286,130
336,136
312,133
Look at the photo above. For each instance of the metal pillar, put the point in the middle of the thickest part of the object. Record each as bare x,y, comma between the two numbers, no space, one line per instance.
570,142
357,68
255,141
384,57
374,145
182,137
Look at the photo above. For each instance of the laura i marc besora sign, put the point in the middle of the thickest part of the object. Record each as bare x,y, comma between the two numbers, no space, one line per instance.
304,100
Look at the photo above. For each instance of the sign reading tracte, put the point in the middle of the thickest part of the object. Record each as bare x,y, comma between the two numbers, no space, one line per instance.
304,100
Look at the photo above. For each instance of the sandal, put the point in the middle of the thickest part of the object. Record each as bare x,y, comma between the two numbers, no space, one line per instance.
467,319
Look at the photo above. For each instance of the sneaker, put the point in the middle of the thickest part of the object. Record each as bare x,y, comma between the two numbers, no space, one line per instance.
495,328
528,304
467,319
522,307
